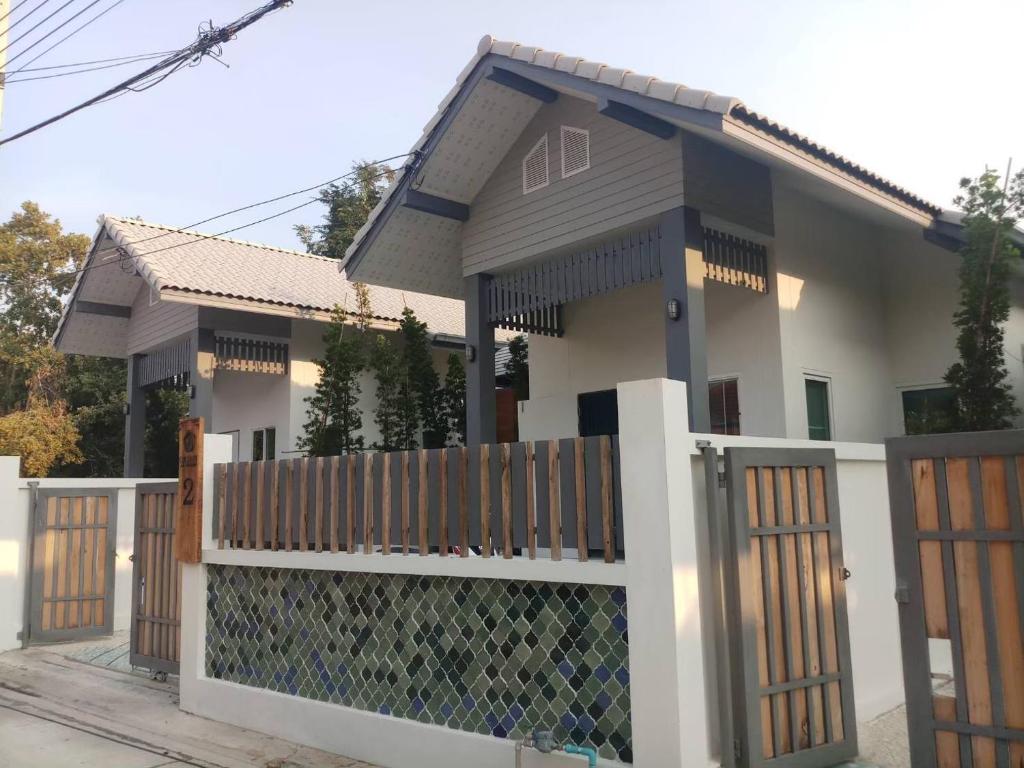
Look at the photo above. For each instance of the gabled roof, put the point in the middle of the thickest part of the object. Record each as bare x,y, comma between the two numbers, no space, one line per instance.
455,167
195,268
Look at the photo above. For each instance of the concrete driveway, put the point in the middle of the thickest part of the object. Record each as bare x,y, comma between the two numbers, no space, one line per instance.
59,712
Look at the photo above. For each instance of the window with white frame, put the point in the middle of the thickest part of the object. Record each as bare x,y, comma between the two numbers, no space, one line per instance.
575,150
535,166
724,405
819,407
263,444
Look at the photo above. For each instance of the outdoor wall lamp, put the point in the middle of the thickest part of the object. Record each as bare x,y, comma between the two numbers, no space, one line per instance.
470,353
674,309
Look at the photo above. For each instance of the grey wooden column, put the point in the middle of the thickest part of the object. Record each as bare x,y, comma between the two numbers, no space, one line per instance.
201,376
682,267
480,401
134,422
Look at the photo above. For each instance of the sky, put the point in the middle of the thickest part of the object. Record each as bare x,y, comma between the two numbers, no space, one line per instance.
921,93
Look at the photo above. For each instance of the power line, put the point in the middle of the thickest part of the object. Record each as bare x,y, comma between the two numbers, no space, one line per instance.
208,41
16,23
18,5
68,36
53,31
186,229
96,61
83,71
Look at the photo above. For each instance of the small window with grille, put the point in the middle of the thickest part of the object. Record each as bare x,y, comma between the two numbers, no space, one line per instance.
575,150
535,166
724,402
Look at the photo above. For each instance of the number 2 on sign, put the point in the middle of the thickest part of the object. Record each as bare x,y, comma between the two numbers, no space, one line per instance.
189,497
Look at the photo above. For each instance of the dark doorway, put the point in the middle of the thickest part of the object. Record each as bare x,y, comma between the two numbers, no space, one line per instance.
598,413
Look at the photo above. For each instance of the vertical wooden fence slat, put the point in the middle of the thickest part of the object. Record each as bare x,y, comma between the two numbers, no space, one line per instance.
335,500
246,504
261,501
350,503
405,502
485,500
464,502
422,510
554,503
506,501
275,503
607,512
581,501
289,504
318,531
222,489
566,481
303,505
519,491
442,528
531,515
385,505
368,504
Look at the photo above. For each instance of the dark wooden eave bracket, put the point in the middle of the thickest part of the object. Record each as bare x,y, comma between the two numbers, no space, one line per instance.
100,308
437,206
522,84
636,118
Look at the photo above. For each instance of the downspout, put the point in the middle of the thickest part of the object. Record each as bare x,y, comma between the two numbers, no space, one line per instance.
589,752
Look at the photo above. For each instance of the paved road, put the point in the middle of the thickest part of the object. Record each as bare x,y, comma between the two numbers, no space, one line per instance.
59,712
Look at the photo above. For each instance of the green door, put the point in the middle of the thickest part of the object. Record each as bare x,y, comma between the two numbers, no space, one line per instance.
818,425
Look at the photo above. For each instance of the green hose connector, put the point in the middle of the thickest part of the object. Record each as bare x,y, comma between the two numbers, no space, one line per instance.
589,752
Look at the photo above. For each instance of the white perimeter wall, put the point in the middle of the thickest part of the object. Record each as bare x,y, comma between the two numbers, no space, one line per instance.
15,502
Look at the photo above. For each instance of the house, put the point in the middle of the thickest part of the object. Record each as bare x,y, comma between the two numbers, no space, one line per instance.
638,228
239,324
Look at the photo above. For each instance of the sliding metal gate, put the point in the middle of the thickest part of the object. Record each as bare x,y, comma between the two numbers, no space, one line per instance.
156,581
958,537
72,586
789,700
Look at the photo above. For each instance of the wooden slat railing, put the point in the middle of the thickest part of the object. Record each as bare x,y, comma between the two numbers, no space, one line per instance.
490,500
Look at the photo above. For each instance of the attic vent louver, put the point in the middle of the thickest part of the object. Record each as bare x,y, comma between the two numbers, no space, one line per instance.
575,150
535,166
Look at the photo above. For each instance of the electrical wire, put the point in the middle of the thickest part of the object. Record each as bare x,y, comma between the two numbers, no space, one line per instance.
18,5
186,229
53,31
208,42
68,36
95,61
82,71
33,29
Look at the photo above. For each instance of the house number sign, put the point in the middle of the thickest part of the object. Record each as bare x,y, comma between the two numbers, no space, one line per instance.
188,538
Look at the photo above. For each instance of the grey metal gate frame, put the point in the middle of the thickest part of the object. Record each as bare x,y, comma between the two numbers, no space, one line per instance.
922,722
33,632
730,536
139,567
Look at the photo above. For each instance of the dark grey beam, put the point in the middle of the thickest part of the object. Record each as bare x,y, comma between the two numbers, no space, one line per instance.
682,271
636,118
480,399
438,206
522,84
101,308
201,376
134,421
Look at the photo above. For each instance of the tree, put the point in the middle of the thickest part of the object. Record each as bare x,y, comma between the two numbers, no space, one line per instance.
983,399
348,206
94,388
423,380
395,414
455,397
517,367
335,418
165,408
42,432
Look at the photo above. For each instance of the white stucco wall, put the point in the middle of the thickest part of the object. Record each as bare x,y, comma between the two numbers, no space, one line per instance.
249,401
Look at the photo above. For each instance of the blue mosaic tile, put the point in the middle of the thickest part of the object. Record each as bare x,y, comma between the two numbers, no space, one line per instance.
485,656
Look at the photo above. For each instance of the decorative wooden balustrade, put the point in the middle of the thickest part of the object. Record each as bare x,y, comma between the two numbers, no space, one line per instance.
504,500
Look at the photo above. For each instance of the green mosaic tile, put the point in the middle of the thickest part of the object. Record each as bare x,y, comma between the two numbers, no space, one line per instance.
486,656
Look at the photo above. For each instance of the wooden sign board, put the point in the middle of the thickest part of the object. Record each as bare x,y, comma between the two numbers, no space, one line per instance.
188,535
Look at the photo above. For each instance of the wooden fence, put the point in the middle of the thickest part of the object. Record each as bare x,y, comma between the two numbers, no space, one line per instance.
491,499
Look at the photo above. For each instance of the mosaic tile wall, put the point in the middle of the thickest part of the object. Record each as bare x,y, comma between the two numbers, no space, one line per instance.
487,656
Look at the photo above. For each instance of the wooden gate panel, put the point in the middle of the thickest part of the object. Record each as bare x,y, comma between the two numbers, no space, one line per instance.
958,536
72,563
786,609
156,581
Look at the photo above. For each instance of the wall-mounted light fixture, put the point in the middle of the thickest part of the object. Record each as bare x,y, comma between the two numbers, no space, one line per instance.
470,353
673,309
